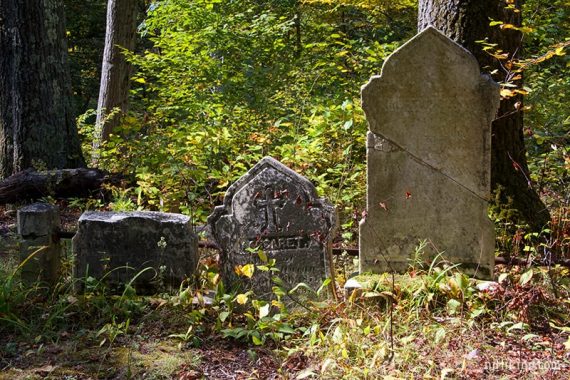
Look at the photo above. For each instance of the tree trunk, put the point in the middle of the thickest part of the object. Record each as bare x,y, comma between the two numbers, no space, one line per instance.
37,127
466,22
115,73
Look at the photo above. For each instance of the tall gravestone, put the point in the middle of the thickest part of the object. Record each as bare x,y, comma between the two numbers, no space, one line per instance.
428,157
274,210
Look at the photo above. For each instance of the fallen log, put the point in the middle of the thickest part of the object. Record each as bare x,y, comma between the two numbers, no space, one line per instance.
30,185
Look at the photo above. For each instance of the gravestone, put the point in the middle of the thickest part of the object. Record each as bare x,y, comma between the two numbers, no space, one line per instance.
40,249
428,157
117,246
274,210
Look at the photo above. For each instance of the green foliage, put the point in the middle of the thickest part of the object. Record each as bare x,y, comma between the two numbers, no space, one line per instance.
544,65
258,319
12,293
223,83
373,332
40,313
538,78
228,82
547,124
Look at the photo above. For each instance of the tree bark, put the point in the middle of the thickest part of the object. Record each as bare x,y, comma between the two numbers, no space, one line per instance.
466,22
32,185
116,70
37,127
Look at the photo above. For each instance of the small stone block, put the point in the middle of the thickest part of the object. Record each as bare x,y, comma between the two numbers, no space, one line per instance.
37,224
38,219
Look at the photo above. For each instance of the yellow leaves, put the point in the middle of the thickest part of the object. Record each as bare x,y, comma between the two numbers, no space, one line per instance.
522,29
507,26
259,138
515,66
504,26
245,270
365,4
241,299
506,93
500,56
555,50
509,90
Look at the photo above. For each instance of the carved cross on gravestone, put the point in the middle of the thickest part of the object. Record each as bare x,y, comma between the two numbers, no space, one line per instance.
275,210
272,200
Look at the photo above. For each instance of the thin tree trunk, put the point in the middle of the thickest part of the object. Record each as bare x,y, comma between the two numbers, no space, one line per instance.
466,22
116,71
37,127
298,37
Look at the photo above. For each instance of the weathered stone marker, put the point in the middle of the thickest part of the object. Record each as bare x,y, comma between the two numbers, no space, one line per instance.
38,225
428,153
119,245
275,210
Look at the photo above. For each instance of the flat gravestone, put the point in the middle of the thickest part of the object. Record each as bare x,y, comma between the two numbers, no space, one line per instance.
274,210
117,246
428,157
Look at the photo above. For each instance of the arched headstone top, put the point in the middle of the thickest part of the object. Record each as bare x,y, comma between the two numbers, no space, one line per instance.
265,165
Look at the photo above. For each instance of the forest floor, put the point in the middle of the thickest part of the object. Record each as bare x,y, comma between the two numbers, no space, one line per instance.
356,338
151,354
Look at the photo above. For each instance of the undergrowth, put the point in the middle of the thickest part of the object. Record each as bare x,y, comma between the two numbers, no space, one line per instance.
395,325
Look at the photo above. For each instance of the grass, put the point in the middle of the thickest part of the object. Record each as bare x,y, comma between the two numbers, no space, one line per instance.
410,330
432,322
439,330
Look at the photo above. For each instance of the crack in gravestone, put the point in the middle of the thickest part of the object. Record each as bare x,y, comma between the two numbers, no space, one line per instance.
379,146
433,104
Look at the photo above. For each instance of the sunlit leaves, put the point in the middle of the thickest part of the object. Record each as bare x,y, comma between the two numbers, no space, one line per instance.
526,277
241,299
245,270
224,83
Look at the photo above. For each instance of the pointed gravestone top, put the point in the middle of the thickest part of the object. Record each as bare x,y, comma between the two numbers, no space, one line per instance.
428,151
432,98
275,210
